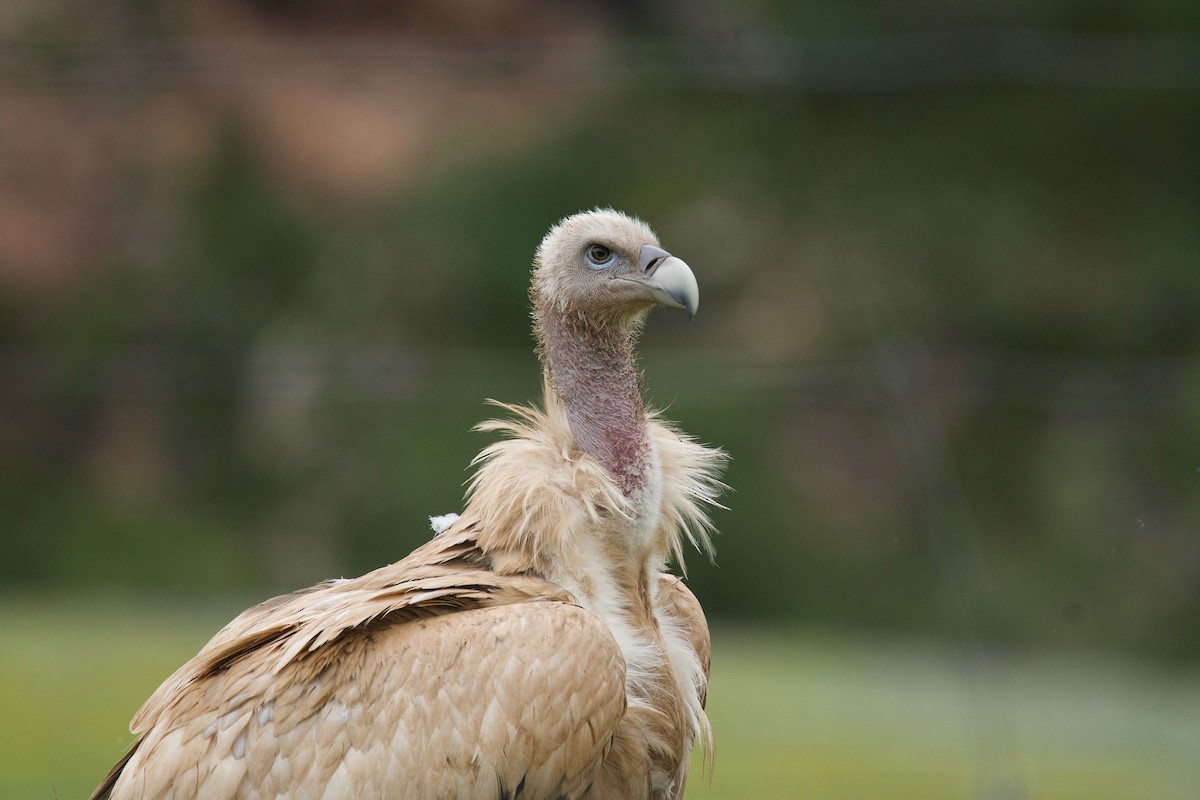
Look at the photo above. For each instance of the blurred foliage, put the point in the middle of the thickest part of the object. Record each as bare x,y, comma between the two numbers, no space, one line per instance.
949,333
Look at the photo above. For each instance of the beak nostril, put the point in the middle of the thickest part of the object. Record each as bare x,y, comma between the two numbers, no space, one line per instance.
649,257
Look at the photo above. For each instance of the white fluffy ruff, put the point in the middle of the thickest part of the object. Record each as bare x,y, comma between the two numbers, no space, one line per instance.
546,498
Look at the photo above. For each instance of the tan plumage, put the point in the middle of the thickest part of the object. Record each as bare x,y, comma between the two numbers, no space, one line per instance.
534,649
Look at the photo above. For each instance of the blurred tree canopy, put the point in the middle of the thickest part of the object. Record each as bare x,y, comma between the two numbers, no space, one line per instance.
261,264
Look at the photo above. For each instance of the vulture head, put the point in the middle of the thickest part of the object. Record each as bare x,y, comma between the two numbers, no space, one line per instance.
595,277
606,267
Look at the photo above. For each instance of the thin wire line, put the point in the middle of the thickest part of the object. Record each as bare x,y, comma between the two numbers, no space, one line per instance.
752,62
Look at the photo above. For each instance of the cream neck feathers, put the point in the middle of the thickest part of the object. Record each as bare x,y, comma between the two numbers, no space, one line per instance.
536,498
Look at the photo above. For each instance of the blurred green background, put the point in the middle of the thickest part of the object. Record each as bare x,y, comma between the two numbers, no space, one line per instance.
262,262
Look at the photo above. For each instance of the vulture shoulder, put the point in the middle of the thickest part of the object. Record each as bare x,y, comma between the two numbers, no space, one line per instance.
679,606
369,688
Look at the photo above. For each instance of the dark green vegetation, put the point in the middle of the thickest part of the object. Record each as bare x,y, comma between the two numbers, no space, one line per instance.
948,338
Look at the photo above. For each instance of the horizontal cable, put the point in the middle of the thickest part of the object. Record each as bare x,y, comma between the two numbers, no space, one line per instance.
1084,385
867,64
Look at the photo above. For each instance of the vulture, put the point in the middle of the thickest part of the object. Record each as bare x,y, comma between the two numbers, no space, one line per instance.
535,647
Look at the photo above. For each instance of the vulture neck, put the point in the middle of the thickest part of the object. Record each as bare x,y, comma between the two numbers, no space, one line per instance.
591,367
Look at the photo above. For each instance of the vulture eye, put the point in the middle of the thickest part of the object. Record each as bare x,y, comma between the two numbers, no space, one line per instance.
599,256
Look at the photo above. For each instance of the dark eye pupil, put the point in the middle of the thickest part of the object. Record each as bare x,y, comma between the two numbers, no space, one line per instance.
598,253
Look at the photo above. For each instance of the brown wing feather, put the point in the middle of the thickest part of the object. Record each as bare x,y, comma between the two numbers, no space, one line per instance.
438,578
104,790
471,704
429,677
676,600
679,606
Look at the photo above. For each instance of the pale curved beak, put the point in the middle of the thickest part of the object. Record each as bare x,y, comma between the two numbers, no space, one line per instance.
669,279
674,285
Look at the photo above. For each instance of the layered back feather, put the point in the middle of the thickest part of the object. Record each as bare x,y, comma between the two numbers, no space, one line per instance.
438,578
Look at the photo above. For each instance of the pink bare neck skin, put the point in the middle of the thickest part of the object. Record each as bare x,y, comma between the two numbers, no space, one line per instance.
592,368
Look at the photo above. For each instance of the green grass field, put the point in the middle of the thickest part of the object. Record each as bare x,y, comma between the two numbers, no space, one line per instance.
796,716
